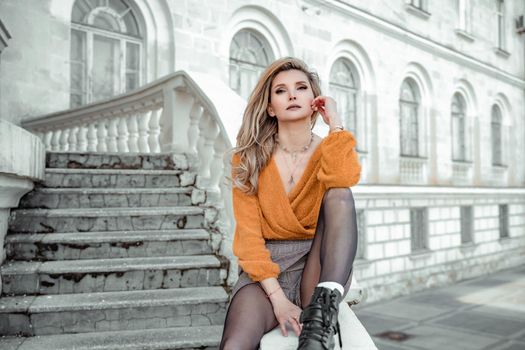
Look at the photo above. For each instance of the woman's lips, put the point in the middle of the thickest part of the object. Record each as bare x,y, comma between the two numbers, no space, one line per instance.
293,108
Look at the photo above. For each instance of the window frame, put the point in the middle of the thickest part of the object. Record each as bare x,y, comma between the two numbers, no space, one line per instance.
466,224
362,242
496,144
419,238
503,216
413,121
352,90
89,31
500,20
461,154
239,64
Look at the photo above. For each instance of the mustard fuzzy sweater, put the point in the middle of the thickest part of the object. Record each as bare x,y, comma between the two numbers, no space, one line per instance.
274,214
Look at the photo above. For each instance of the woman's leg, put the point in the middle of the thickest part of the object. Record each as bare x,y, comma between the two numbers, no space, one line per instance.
250,315
335,243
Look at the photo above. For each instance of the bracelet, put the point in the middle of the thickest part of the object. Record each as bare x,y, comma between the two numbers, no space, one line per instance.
268,296
337,127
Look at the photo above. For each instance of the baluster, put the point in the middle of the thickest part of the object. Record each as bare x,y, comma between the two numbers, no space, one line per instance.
47,140
154,131
143,132
133,133
217,164
63,139
102,135
209,130
175,119
72,139
193,129
82,139
92,138
55,140
123,133
112,135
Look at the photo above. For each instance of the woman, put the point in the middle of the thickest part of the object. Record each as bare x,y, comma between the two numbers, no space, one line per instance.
296,231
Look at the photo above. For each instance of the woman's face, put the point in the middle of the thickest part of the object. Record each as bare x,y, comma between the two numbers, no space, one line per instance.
291,96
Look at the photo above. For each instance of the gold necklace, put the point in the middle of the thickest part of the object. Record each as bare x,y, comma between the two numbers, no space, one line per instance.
294,155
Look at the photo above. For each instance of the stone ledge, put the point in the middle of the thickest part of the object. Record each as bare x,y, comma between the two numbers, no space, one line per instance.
166,338
112,300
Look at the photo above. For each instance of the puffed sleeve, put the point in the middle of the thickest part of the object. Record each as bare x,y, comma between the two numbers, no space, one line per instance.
339,160
248,242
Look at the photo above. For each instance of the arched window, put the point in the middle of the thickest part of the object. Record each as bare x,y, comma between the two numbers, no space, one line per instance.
409,114
458,112
496,135
344,88
106,49
250,54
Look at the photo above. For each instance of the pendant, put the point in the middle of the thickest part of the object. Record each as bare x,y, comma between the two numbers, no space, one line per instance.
291,182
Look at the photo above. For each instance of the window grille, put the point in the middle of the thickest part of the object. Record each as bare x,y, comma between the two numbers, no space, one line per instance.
419,229
467,224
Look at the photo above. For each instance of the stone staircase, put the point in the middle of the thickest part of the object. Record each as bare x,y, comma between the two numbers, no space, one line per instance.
113,251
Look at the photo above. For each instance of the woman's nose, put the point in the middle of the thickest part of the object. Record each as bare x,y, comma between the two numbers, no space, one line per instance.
292,96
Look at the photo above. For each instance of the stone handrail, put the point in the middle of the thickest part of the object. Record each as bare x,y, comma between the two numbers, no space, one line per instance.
170,115
195,115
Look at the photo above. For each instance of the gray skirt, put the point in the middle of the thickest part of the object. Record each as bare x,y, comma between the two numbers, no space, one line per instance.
291,256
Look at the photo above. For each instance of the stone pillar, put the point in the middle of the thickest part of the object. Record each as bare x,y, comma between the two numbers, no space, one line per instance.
22,161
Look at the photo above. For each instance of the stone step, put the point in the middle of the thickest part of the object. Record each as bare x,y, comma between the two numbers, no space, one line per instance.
112,311
109,219
104,245
105,275
113,178
93,160
187,338
56,198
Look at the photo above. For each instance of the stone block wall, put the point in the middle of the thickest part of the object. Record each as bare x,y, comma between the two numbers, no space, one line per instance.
390,268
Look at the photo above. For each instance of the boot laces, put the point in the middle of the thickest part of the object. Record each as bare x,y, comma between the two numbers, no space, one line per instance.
327,302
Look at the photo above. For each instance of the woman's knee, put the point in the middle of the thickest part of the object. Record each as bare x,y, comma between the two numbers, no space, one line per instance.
338,194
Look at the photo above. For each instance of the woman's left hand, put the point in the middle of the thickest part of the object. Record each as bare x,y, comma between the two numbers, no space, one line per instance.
327,107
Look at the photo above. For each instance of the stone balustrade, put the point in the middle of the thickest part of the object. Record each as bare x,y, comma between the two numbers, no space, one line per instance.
462,173
413,170
196,115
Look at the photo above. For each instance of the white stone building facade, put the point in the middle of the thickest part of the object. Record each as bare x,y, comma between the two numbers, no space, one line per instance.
435,94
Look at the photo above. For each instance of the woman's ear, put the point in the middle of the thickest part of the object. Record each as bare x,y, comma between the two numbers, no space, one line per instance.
270,111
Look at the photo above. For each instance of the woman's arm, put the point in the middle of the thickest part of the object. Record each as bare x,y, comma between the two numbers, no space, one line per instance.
284,309
248,242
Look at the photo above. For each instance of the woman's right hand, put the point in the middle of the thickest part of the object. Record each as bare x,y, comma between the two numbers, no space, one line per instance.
286,311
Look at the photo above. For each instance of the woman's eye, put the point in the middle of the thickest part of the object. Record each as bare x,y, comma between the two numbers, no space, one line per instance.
303,88
279,91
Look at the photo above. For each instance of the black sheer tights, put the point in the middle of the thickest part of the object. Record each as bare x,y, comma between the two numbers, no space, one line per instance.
250,313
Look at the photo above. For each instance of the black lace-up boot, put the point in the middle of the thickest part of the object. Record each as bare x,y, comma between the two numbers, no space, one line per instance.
320,322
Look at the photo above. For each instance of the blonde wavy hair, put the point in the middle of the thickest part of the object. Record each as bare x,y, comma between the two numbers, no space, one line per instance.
255,140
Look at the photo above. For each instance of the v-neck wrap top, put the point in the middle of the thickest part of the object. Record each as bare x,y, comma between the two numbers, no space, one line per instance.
273,214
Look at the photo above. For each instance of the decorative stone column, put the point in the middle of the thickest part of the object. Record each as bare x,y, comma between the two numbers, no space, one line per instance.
22,161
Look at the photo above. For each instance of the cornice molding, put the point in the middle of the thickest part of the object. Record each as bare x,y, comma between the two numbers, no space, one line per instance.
430,46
